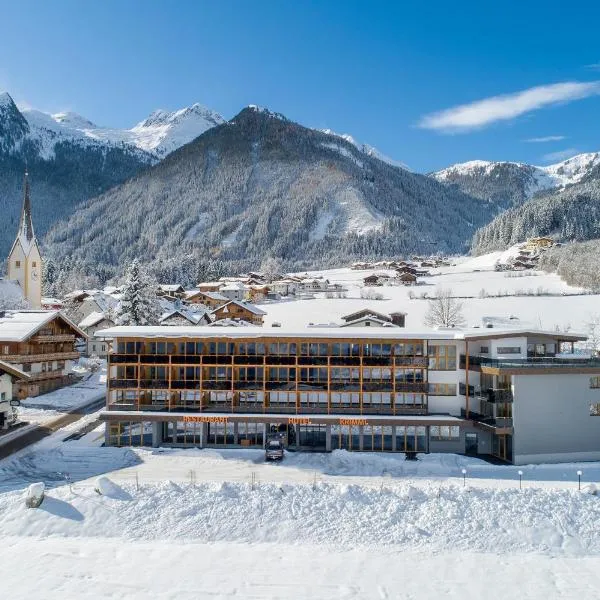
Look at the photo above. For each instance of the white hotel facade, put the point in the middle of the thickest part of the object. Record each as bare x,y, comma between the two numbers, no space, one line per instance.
518,395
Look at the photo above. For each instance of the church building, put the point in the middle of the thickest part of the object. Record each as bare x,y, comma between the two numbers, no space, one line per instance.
24,260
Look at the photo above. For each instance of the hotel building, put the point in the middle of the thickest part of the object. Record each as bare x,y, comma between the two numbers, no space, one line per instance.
485,391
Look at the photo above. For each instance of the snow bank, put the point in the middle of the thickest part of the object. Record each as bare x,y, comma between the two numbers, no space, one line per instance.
430,517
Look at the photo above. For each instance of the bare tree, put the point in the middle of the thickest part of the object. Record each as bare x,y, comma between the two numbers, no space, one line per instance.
444,310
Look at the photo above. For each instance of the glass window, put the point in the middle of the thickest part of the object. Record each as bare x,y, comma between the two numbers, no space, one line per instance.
442,358
442,389
595,382
509,349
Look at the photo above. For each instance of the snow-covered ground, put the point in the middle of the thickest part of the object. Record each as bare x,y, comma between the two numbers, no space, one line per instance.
521,294
190,523
47,407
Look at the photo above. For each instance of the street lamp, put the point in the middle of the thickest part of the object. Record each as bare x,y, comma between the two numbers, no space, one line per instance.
464,473
520,480
579,474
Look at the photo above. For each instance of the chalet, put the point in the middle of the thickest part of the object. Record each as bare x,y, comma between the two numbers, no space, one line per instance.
183,315
364,312
406,269
369,321
41,344
211,299
89,325
171,290
258,292
239,310
9,374
408,278
521,265
234,290
374,279
284,287
210,286
396,318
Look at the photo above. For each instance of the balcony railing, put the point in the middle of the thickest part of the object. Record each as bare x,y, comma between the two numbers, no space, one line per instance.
33,358
63,337
541,362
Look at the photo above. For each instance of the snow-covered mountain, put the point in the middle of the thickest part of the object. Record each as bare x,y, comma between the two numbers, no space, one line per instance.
158,135
367,149
512,183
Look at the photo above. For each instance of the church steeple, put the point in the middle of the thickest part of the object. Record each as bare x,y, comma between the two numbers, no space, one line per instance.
26,225
24,261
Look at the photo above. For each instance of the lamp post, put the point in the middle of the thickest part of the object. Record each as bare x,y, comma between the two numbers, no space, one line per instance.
520,480
579,474
464,474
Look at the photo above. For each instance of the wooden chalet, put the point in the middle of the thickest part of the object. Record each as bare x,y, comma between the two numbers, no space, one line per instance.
41,344
239,310
407,278
211,299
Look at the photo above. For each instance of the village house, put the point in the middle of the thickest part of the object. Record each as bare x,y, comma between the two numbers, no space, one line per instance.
180,316
174,291
239,310
407,278
41,344
211,299
210,286
89,325
396,318
9,374
235,290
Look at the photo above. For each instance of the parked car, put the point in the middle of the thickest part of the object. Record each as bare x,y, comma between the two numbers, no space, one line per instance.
274,450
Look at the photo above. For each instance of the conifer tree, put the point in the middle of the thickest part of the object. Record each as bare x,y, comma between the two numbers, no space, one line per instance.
139,305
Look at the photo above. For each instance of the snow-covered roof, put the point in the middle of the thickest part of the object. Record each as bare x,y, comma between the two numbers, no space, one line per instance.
211,295
370,318
92,319
392,333
12,370
171,287
191,316
231,323
18,325
250,307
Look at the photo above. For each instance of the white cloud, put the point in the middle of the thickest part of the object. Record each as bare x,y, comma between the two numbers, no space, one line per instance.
482,113
593,67
560,155
547,138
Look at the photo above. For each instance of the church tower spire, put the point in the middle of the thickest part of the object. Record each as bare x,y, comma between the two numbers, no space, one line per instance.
24,260
26,225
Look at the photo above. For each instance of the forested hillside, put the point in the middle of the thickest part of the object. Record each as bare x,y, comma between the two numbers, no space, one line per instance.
259,186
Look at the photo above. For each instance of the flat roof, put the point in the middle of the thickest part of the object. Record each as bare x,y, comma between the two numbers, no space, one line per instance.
391,333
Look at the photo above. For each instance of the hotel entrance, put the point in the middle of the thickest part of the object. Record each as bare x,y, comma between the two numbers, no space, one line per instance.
312,437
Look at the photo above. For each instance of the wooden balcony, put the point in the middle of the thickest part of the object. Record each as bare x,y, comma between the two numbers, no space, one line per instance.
46,375
33,358
63,337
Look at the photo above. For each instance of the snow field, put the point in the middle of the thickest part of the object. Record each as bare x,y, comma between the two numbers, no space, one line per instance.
448,518
517,293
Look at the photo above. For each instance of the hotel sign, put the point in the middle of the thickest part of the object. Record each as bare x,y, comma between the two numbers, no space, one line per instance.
299,421
203,419
354,422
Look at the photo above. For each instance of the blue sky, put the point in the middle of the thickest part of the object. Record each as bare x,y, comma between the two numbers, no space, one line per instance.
417,80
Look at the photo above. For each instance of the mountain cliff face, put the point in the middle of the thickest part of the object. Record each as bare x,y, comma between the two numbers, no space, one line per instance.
70,159
261,185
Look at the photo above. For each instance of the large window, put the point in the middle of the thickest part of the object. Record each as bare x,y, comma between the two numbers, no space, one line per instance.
595,382
442,389
444,432
442,358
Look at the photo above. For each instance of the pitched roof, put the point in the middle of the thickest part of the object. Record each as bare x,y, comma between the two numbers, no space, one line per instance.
12,370
372,318
250,307
18,325
92,319
364,312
